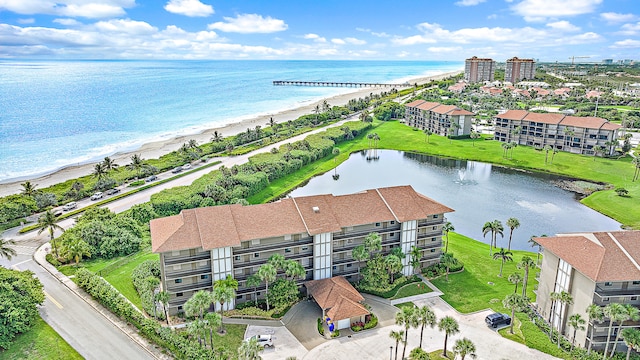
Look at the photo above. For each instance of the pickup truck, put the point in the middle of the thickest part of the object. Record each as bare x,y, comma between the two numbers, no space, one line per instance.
496,319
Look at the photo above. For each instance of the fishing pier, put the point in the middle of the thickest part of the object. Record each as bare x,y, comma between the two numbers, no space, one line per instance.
335,84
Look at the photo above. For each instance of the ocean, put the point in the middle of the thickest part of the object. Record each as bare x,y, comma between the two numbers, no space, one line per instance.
55,114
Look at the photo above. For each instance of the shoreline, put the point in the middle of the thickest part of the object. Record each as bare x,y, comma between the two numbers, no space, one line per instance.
154,150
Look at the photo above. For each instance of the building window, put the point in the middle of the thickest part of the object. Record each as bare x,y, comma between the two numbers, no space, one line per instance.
239,297
392,235
178,281
258,293
204,277
236,258
608,283
256,255
636,282
334,267
179,307
435,216
179,294
287,250
392,222
433,250
304,248
433,239
634,298
434,228
606,299
349,265
377,224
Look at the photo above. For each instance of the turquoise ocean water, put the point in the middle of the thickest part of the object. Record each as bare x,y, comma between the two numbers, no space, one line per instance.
60,113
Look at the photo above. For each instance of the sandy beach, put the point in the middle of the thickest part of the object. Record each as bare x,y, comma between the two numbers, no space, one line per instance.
156,149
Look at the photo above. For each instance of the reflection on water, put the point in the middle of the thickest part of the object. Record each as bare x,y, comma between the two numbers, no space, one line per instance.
478,192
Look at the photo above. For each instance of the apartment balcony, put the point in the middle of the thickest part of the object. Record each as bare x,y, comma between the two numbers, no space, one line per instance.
239,264
242,277
422,235
430,222
354,234
186,259
278,246
175,288
170,275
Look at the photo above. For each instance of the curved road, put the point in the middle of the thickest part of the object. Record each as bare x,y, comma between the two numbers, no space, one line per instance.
84,328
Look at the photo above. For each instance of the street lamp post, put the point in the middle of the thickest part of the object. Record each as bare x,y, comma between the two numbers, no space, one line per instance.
390,352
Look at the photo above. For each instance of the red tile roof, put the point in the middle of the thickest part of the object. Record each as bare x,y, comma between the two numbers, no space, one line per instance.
600,256
427,105
415,103
513,114
587,122
228,225
547,118
337,295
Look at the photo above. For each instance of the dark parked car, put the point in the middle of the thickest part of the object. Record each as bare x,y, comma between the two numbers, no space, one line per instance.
112,191
151,178
177,170
496,319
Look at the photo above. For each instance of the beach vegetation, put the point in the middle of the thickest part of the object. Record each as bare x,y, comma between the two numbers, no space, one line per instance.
40,342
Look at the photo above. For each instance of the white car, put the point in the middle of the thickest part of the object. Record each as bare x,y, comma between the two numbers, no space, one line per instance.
186,166
263,340
97,196
70,206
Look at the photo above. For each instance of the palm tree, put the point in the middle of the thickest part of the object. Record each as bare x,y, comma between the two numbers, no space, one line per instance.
224,291
546,150
163,298
568,133
28,189
47,221
335,152
217,136
513,224
99,171
416,255
364,116
615,312
393,264
527,264
554,297
514,302
450,327
577,323
515,279
360,254
563,298
636,163
598,150
474,135
425,316
505,149
446,227
533,242
418,354
108,164
5,250
249,350
373,242
137,164
407,318
196,329
631,337
503,256
267,273
75,249
494,227
595,313
448,261
633,314
397,336
464,347
198,303
277,260
254,281
294,269
213,321
427,133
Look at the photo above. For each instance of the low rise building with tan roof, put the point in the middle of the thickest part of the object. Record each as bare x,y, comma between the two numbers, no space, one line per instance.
338,299
199,246
445,120
594,268
579,135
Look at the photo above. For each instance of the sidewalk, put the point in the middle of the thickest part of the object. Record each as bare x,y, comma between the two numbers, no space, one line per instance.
131,332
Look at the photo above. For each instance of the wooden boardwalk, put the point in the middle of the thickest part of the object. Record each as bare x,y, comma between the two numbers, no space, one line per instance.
335,84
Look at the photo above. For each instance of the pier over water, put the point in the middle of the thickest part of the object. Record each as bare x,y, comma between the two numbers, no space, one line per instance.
335,84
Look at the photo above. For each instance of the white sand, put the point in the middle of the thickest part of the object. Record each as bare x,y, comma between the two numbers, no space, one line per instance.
156,149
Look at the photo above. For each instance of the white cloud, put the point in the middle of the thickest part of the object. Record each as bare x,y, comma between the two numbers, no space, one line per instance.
413,40
67,22
125,26
539,10
630,29
338,41
315,37
613,18
26,21
492,16
585,38
70,8
627,43
348,40
444,49
563,25
191,8
469,2
250,23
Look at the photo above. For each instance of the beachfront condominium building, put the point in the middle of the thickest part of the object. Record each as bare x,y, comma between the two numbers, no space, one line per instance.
199,246
478,70
579,135
594,268
519,69
445,120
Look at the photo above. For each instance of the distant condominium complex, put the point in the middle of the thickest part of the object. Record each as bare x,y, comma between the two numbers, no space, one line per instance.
519,69
445,120
579,135
478,70
199,246
594,268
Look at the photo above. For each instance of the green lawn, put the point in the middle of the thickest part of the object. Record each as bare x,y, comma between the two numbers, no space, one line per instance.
118,276
478,286
412,289
41,342
231,340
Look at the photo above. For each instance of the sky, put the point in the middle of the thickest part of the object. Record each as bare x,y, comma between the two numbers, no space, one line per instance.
546,30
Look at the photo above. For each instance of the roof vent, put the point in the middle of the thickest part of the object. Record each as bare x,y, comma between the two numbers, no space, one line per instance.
316,209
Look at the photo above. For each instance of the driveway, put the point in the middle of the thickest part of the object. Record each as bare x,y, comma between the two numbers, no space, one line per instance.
377,344
284,343
382,308
302,322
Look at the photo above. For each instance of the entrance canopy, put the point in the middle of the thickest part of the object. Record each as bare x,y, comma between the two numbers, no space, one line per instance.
337,298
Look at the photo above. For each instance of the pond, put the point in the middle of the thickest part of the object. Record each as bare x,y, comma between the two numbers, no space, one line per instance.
478,192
